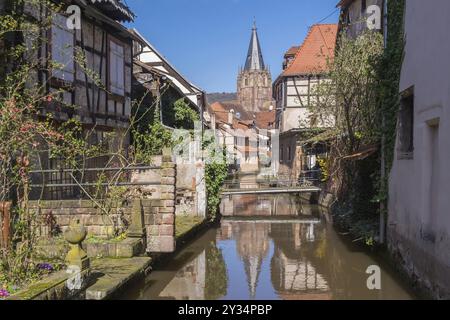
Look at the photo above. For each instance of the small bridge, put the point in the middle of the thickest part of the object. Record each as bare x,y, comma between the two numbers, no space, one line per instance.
270,190
269,187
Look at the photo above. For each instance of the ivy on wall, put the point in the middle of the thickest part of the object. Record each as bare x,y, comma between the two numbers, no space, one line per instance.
390,75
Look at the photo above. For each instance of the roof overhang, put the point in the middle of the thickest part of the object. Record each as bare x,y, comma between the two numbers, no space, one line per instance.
362,154
344,3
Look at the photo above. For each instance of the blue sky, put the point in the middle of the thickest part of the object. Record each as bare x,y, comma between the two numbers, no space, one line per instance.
207,40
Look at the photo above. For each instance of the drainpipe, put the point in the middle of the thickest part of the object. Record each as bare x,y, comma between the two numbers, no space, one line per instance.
383,204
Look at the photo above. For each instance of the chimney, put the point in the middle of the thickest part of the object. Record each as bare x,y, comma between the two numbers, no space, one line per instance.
230,117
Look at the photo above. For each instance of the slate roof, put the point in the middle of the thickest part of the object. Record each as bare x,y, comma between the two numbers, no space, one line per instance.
115,9
255,60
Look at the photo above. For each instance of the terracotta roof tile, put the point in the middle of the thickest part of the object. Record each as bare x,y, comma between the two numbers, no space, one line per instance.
292,51
318,47
265,120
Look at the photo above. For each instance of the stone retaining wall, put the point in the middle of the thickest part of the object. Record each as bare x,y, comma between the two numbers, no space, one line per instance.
156,217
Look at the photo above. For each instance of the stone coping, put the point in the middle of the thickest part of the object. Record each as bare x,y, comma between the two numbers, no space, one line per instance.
53,287
112,274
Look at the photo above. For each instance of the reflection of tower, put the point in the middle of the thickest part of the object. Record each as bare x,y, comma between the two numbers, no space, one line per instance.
252,240
310,236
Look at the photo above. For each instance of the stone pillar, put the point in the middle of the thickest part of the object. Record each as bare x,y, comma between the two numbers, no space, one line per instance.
161,236
200,198
137,228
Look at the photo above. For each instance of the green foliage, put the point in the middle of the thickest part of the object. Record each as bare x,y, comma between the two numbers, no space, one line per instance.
216,282
216,172
324,169
363,90
24,138
151,142
185,116
390,86
351,97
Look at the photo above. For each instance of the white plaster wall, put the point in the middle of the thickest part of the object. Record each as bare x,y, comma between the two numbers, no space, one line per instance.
419,207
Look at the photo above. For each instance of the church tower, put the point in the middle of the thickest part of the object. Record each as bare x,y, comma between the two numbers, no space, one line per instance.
254,84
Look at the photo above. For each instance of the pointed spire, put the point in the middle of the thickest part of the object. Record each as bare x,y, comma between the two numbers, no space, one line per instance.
255,60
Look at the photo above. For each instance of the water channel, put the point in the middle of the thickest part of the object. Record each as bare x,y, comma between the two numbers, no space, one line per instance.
269,248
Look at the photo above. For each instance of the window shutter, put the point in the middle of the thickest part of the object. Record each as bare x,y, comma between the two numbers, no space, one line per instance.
117,69
62,50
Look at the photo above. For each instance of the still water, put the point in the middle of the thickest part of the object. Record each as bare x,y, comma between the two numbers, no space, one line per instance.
269,248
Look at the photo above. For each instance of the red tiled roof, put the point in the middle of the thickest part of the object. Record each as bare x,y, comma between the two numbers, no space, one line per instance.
318,47
222,109
265,119
291,52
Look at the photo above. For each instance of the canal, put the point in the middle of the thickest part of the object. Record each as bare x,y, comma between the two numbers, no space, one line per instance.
269,247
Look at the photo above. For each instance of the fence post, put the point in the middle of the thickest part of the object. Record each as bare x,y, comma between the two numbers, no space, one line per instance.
5,219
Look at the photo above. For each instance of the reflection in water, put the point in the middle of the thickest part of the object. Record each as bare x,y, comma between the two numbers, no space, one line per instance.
297,256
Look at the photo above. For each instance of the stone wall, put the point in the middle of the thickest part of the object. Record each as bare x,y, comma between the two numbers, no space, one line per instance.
419,183
155,215
191,189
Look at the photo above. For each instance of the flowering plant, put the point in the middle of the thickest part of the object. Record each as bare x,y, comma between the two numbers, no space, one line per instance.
4,293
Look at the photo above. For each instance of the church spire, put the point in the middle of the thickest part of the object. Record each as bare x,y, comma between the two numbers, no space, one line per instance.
255,59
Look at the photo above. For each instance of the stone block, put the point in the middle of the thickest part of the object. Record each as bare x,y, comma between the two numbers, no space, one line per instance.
147,203
168,173
168,203
168,219
167,244
168,196
167,210
149,219
152,231
168,181
167,230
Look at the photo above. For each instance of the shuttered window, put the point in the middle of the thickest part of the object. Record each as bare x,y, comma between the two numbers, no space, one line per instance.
117,68
62,49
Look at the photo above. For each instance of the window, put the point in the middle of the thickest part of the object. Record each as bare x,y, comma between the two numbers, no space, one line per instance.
289,155
116,68
406,124
282,153
62,50
363,7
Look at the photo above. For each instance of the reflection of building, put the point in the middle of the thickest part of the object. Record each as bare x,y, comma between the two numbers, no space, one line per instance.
189,283
296,273
297,278
266,206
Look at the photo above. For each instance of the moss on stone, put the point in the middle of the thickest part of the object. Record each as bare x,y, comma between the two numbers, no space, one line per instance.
185,223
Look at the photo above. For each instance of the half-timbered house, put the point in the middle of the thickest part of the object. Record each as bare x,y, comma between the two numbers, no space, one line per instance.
294,94
86,68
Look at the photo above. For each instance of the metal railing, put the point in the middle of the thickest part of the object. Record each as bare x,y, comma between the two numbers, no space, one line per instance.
67,183
306,178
